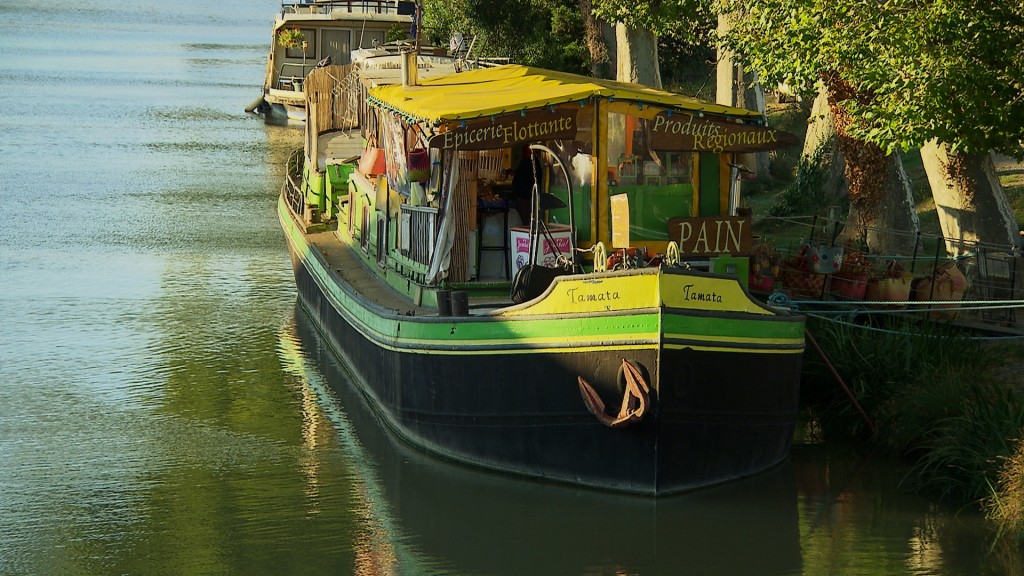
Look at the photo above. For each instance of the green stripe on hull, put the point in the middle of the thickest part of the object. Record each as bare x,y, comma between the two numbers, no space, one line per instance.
633,329
760,333
429,334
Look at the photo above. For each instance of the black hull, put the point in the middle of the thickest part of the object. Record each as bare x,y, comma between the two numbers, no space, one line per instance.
715,417
451,515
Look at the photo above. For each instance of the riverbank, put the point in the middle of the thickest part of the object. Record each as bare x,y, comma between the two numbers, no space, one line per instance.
949,406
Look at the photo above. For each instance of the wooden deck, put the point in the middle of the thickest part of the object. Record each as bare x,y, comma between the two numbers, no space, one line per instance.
355,273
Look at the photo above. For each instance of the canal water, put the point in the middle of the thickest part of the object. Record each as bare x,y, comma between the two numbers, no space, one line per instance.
165,408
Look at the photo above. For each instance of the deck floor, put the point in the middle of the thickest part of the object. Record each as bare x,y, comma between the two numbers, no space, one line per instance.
354,272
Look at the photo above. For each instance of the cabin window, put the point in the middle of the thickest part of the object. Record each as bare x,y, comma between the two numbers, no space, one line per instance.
307,50
370,38
337,44
579,165
658,183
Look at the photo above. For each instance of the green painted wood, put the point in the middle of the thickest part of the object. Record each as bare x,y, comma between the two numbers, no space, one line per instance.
710,182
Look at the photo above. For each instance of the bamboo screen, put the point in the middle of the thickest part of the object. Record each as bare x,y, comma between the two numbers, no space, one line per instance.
333,90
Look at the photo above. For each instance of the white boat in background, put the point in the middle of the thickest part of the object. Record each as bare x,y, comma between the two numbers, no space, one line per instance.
329,31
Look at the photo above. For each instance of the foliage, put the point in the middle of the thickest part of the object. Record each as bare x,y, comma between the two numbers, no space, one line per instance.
907,71
290,37
397,32
807,193
545,33
1006,501
880,358
961,454
687,67
551,33
691,21
934,399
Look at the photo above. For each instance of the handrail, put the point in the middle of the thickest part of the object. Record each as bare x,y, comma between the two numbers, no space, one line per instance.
294,78
402,7
292,190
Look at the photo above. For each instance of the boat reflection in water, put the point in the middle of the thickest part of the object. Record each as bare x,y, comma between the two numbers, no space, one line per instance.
426,515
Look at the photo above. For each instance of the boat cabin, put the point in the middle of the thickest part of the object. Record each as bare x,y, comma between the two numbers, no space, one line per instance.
312,32
466,179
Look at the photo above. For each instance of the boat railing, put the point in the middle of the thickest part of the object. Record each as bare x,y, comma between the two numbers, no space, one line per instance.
417,233
354,6
291,75
293,196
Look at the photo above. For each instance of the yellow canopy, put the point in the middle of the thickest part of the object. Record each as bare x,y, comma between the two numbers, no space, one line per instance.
511,88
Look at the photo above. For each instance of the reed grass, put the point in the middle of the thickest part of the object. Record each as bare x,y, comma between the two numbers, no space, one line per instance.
936,400
1005,502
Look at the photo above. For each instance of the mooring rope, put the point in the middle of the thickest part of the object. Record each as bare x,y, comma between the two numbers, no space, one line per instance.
850,316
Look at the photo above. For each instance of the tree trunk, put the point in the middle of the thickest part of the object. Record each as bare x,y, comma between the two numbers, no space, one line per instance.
821,154
970,201
882,210
596,45
889,225
739,88
636,56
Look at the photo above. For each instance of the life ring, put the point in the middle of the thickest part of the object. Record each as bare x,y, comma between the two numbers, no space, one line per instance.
672,257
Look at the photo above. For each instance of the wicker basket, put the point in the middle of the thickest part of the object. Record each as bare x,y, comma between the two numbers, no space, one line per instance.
949,284
892,285
798,281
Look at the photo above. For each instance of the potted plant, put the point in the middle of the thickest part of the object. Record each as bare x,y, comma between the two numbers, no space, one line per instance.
290,37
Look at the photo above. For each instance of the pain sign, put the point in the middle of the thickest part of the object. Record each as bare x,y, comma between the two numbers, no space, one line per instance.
712,236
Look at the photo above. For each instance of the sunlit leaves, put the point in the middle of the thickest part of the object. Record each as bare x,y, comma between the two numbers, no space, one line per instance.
688,20
916,69
547,33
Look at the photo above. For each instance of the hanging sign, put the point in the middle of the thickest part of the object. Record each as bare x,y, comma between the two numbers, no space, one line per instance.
712,236
685,131
509,130
620,220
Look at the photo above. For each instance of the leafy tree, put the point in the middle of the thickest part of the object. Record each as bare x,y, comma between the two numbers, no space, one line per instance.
907,71
640,24
545,33
691,21
899,74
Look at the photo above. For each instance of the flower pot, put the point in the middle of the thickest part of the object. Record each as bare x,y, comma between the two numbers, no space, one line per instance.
759,283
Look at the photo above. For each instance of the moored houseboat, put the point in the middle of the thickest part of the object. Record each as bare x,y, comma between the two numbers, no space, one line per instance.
546,274
306,34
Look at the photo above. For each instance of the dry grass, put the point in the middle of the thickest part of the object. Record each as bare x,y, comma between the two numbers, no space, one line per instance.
1006,504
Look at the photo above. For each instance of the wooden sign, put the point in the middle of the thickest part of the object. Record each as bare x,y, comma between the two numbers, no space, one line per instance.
712,235
509,130
683,131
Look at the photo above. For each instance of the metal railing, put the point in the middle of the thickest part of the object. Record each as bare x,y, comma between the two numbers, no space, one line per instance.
292,74
417,233
992,293
292,188
356,6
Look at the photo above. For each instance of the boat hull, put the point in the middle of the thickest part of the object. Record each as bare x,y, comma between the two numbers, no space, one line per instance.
284,106
718,412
